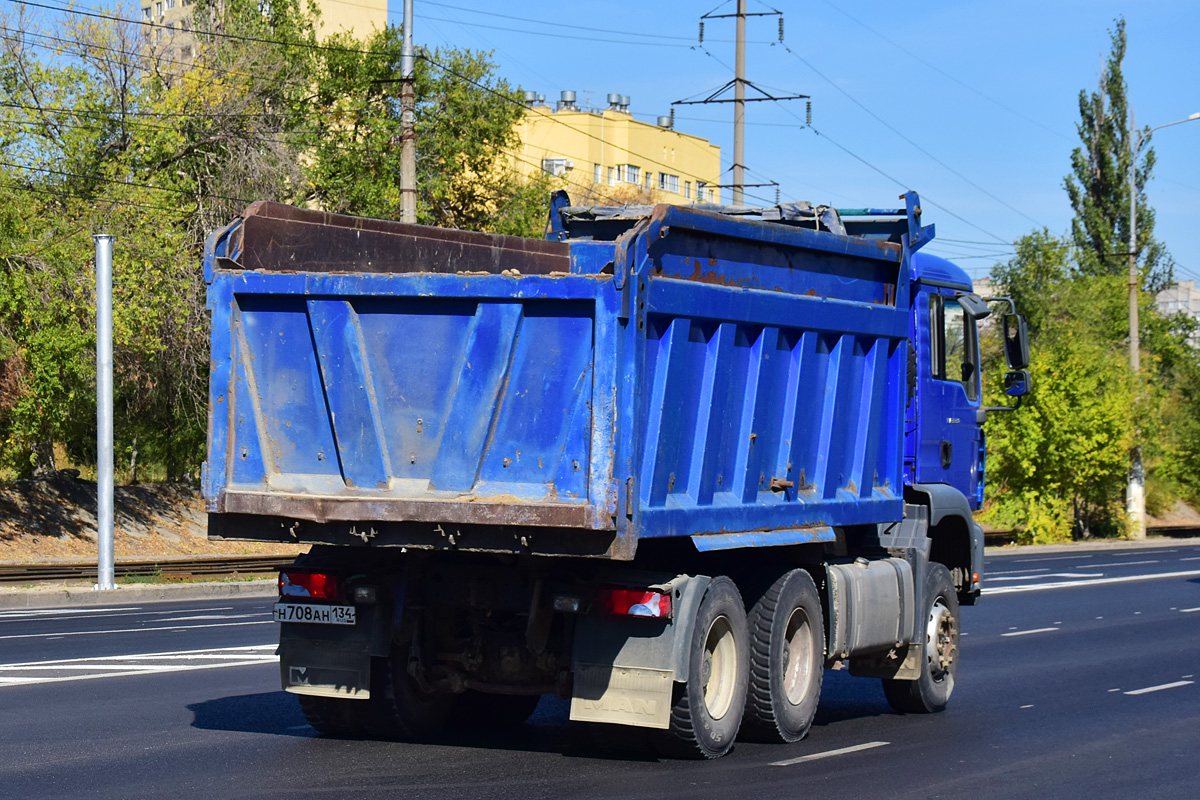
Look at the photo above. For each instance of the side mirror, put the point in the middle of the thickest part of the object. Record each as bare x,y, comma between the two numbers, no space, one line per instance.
1017,383
975,308
1016,345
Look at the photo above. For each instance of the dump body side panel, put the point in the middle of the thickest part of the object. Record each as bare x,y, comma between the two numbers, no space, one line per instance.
741,383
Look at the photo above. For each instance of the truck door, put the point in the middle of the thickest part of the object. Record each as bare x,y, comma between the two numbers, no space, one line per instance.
949,434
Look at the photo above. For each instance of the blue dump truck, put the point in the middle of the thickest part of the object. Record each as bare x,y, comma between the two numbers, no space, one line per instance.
670,463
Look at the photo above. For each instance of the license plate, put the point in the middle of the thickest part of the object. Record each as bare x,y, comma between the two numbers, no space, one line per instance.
321,615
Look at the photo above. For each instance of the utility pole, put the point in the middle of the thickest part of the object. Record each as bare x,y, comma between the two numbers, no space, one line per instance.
739,99
1135,492
408,137
739,106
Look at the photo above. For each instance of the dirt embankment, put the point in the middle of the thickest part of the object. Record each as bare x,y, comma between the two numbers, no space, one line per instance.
50,519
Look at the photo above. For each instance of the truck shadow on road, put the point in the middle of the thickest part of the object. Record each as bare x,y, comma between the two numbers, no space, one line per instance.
548,730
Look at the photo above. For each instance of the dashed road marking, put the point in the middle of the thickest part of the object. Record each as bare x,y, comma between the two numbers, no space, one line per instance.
1189,610
1028,577
93,668
1036,587
1026,633
1056,558
1018,571
1123,564
828,753
1160,687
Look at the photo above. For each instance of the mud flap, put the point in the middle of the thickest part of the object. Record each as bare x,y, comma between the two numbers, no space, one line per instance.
325,669
622,695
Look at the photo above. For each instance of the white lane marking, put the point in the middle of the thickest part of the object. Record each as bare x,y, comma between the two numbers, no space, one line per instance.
137,630
1145,553
1192,558
1056,558
249,648
53,612
1189,610
1036,587
21,616
1028,706
197,617
96,667
840,752
1160,687
1026,633
1123,564
1028,577
1019,571
1110,691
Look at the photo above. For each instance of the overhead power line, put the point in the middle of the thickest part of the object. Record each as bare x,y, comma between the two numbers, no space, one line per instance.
918,147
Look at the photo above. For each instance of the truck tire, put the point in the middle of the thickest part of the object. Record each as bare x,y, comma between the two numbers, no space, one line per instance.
332,716
398,708
708,706
787,653
495,711
931,691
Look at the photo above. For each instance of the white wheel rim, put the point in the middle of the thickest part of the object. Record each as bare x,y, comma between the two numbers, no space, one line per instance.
940,636
797,657
718,672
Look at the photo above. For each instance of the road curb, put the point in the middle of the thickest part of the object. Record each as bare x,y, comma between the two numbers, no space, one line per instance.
80,595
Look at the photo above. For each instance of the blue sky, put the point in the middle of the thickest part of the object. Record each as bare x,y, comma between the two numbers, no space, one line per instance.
990,90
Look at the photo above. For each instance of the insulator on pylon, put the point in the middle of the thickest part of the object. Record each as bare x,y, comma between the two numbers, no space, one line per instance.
808,112
701,31
781,27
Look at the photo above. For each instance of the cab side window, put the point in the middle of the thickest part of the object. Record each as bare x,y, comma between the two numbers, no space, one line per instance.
953,347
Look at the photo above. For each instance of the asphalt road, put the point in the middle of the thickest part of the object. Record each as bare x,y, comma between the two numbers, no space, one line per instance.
1078,679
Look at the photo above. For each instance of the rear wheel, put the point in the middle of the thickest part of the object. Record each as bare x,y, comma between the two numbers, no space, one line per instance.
708,706
333,716
398,708
939,650
787,651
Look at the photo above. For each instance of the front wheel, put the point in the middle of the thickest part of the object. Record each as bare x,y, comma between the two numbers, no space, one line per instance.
709,705
939,650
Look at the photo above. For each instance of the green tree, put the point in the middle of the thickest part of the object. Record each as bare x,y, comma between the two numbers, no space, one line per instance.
1098,186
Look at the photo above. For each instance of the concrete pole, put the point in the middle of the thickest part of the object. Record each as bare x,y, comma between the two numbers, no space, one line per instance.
408,114
104,413
1135,494
739,106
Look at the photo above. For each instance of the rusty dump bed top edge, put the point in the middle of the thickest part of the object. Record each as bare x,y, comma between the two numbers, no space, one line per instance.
275,237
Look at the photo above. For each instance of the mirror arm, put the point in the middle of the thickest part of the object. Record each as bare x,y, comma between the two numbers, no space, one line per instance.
1005,408
1012,306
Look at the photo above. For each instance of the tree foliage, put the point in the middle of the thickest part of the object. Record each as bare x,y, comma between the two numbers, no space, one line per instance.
108,129
1098,185
1059,466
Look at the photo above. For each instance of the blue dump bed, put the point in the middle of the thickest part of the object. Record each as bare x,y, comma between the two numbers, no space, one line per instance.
739,382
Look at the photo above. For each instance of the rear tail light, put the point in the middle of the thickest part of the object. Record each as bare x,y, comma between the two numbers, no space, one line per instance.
317,585
635,602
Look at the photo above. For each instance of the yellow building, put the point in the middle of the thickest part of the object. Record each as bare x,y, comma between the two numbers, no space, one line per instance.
607,156
170,33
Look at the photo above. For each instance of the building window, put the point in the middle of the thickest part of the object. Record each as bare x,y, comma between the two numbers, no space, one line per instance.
710,195
170,3
146,12
673,183
687,189
628,173
649,179
662,181
700,190
557,166
158,8
158,35
612,180
596,174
